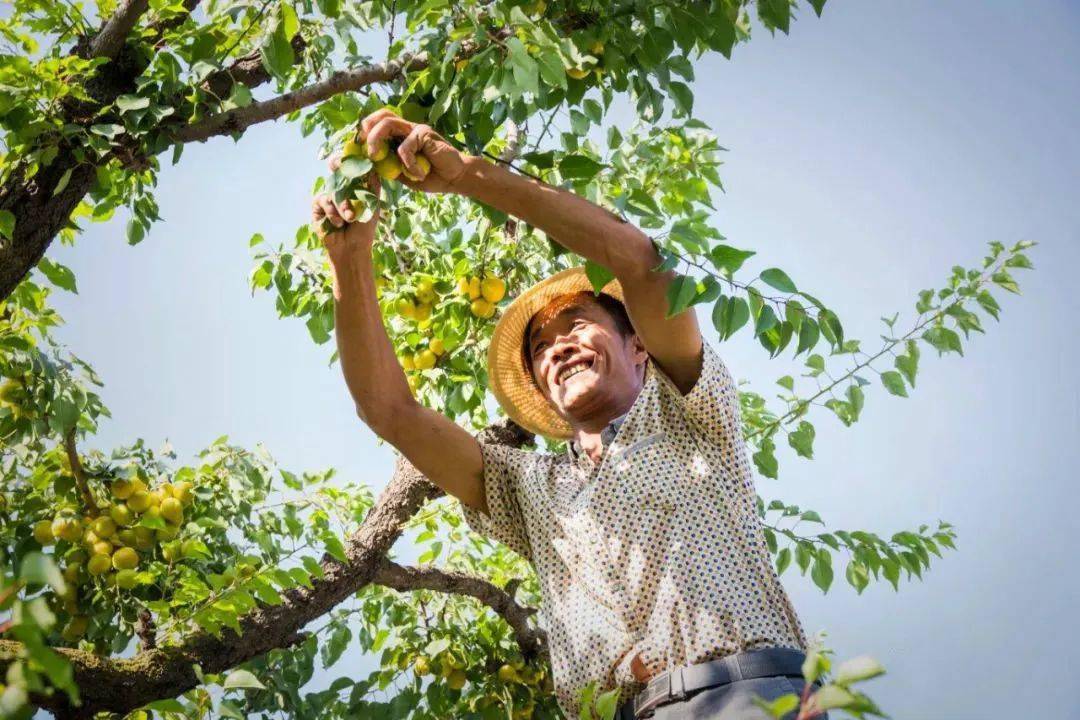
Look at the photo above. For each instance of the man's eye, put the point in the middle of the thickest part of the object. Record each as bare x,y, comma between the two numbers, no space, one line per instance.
538,348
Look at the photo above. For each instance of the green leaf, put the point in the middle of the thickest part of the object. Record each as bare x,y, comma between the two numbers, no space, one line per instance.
598,275
766,320
822,572
135,232
63,182
730,314
775,14
908,365
242,679
277,53
783,560
683,97
166,705
765,459
832,696
857,670
128,103
680,293
607,703
802,439
729,259
7,223
59,275
777,278
551,67
355,167
894,382
579,167
781,706
290,23
525,70
808,335
40,569
831,328
943,340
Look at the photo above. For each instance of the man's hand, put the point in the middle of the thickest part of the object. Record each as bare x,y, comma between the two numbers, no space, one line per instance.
348,236
447,164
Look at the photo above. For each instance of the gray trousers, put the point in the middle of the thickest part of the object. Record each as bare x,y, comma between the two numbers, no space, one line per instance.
734,701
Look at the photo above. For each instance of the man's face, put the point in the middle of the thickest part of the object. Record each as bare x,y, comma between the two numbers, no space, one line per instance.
583,365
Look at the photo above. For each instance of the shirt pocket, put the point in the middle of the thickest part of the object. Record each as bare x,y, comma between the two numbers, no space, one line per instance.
649,474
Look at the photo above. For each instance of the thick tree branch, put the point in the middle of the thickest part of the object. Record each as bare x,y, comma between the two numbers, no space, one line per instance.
114,32
121,685
239,119
533,641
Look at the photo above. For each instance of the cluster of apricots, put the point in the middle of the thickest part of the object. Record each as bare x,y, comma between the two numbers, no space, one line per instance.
451,669
109,546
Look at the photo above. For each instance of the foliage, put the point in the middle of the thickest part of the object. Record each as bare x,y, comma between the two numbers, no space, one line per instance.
116,552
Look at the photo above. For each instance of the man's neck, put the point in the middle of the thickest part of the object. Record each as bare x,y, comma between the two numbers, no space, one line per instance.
592,438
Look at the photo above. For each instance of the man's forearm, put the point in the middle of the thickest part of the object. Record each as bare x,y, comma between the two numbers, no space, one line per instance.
572,221
372,373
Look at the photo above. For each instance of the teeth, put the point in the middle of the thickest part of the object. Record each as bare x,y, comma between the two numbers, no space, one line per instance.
571,372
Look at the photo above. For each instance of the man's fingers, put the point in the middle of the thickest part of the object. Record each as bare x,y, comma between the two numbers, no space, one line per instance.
345,210
384,129
369,122
330,211
411,145
335,161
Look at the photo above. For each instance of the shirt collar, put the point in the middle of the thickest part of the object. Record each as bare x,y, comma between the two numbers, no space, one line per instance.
607,436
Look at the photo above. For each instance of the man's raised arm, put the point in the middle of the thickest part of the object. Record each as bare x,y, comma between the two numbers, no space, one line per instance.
440,449
572,221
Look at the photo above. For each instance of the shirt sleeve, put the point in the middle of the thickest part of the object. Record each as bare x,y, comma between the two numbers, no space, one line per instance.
505,470
712,405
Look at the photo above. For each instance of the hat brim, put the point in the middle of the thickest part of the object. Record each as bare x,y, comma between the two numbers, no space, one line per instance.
508,377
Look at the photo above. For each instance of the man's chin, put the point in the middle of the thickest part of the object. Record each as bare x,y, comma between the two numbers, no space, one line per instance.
578,401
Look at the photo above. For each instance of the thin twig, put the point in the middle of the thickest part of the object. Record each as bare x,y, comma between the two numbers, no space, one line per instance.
79,473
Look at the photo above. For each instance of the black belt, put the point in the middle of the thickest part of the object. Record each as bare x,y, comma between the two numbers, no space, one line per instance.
679,683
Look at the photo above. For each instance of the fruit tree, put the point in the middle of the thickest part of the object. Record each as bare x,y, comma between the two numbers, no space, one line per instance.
137,582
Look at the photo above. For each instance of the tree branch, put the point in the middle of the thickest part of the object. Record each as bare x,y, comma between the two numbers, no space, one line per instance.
79,473
114,32
246,70
239,119
120,685
533,641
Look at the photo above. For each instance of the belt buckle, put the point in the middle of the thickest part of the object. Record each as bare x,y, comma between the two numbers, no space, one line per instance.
675,690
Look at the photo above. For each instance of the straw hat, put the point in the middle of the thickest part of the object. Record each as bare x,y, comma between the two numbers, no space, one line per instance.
507,375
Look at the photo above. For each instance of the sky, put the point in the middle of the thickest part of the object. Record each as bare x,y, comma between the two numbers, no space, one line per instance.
869,151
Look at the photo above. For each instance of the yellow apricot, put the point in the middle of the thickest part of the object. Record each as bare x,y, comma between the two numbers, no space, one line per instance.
424,360
493,289
482,308
389,168
98,564
423,164
125,559
43,532
436,346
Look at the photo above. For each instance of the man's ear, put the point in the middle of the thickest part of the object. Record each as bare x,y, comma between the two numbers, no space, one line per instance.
637,349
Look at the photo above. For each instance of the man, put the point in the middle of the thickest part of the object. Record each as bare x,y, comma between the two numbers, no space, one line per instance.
644,535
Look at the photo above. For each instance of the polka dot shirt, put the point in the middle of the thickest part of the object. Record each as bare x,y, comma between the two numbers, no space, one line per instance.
655,551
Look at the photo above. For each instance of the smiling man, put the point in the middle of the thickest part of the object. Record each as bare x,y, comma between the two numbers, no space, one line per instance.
653,568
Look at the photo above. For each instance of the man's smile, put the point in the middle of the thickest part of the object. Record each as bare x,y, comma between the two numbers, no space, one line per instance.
573,367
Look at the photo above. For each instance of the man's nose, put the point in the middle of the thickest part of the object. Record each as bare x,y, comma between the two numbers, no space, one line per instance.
561,349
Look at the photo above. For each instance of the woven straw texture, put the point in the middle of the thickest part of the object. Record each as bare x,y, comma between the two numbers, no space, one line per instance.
507,375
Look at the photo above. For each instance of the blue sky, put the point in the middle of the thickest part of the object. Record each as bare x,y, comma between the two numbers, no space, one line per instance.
870,151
